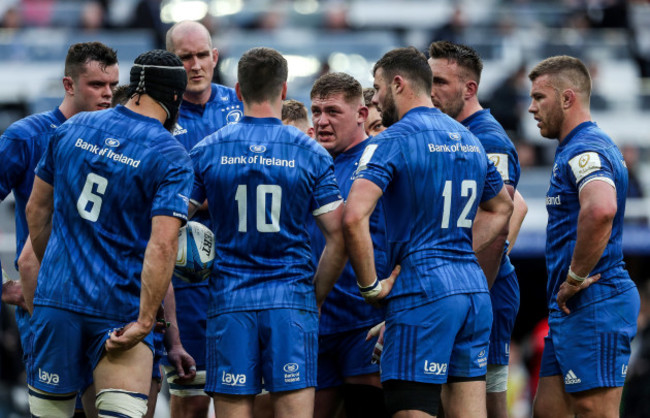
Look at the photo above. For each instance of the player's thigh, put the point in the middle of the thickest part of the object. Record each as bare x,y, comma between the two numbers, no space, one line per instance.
599,402
294,404
289,341
418,342
464,399
189,406
327,401
551,400
128,370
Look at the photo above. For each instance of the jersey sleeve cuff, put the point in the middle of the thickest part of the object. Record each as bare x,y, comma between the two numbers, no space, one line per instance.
599,178
327,208
170,212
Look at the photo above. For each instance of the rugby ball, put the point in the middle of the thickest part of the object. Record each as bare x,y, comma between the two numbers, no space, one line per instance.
195,255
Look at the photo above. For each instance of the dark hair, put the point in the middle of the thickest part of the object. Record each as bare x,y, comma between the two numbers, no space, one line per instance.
410,64
368,94
82,53
564,69
120,95
293,110
337,83
464,56
261,72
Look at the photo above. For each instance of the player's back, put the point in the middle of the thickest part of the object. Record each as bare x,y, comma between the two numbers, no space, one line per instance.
112,171
262,179
437,171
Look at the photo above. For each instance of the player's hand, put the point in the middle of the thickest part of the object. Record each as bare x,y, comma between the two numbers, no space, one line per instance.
386,287
183,363
377,331
12,293
127,337
161,324
567,291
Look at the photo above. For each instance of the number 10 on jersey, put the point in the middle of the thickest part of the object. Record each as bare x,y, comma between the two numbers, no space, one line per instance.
263,222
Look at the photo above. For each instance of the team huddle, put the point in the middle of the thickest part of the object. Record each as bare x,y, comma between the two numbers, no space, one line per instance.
360,259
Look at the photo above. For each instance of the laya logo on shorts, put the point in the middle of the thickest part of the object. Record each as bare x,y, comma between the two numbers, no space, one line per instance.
232,379
49,378
435,368
571,378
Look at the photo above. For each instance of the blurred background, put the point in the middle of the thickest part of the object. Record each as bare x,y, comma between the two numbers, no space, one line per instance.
611,36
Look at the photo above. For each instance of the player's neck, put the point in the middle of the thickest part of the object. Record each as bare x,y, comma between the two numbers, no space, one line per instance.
411,101
471,107
146,106
573,119
264,109
198,98
68,108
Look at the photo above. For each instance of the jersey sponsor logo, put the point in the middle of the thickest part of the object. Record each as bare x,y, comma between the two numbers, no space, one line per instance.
178,130
257,159
453,148
482,358
435,368
500,161
365,158
234,116
48,378
624,370
257,148
454,136
233,379
107,153
585,164
291,373
553,200
111,142
571,378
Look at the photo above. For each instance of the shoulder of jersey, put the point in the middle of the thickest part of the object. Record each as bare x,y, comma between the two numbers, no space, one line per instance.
31,125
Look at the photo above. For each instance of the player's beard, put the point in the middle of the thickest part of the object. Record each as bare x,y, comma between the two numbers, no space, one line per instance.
553,121
389,113
455,106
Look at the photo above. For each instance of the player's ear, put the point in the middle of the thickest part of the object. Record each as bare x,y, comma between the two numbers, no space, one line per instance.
284,90
568,98
215,56
398,83
238,91
362,114
471,88
68,85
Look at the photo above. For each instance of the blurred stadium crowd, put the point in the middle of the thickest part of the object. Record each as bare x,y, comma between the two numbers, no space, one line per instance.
316,36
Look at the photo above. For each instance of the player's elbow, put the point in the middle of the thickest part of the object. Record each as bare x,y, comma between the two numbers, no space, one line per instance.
602,213
352,221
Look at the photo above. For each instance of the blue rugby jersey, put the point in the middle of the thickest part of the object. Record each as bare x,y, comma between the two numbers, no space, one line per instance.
434,173
195,122
501,151
586,154
344,309
21,147
112,171
262,179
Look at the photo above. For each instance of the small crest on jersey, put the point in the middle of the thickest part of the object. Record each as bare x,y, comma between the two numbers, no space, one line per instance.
224,98
258,148
178,130
585,164
234,116
455,136
500,161
555,169
112,142
53,126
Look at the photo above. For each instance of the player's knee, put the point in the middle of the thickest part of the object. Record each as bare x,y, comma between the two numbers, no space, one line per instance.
121,403
43,404
497,378
364,400
402,395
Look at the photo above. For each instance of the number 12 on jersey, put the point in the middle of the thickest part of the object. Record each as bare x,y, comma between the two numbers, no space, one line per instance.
261,220
467,188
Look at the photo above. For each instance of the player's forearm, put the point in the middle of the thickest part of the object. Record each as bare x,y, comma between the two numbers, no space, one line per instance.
360,250
157,271
594,230
28,267
517,218
330,266
172,335
39,221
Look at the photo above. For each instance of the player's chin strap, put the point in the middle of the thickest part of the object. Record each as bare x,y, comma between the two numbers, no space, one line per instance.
111,403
